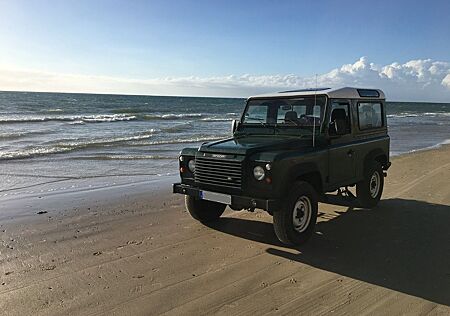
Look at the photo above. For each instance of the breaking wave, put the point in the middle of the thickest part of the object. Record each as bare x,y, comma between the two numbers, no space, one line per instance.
171,116
429,114
100,118
216,119
64,146
17,135
177,128
125,157
188,140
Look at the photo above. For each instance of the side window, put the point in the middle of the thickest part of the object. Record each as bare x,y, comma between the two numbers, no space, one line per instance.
369,115
340,118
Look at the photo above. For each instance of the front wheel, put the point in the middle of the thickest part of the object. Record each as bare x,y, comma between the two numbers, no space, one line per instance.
202,210
369,190
294,223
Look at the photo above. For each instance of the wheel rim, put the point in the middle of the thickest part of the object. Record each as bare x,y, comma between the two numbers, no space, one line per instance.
301,216
374,184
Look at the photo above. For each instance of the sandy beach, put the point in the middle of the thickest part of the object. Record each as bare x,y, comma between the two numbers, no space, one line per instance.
133,250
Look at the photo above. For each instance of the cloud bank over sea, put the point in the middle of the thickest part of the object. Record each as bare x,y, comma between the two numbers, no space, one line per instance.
414,80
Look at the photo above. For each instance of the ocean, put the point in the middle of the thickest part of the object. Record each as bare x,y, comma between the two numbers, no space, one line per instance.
59,136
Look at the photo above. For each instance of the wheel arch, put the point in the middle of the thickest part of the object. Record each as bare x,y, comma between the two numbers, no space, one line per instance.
308,172
376,155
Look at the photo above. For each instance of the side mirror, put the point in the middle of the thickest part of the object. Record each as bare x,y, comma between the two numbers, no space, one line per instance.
234,126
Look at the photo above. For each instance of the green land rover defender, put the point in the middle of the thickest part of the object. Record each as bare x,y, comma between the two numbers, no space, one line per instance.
289,151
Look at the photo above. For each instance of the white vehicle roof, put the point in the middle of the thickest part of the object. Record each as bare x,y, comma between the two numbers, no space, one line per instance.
340,93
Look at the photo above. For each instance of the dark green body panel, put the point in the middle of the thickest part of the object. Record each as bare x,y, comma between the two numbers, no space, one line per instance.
247,145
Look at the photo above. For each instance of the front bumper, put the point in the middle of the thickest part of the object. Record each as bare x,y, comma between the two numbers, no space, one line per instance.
237,201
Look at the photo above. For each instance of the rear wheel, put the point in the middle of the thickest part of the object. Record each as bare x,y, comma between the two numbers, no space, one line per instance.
202,210
369,190
295,221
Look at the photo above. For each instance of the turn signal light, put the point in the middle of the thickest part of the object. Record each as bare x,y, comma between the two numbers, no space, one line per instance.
268,180
182,169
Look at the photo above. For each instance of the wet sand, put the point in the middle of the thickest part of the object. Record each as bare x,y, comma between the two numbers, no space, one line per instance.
133,250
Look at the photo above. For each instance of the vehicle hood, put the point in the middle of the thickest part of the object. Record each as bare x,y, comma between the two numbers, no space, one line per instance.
248,145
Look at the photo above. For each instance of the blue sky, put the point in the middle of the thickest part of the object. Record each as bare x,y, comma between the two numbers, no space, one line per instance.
141,42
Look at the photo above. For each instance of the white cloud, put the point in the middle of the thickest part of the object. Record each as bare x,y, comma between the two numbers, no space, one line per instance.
417,80
446,81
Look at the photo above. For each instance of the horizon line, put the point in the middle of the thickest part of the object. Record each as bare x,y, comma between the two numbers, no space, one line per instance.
174,96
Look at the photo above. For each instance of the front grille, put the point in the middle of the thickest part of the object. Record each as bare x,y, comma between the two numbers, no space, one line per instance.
216,172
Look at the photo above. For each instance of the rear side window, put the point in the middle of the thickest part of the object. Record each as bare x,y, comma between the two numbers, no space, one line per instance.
369,115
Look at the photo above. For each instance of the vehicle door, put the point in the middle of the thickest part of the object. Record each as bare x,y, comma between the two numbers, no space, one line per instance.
341,158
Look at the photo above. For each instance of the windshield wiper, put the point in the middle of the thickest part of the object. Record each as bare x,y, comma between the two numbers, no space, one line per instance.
260,120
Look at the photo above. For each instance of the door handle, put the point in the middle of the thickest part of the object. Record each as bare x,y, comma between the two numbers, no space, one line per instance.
350,153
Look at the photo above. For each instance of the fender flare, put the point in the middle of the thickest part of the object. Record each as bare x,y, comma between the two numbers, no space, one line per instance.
371,156
296,171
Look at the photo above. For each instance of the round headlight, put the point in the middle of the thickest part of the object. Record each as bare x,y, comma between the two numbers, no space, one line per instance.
259,173
191,165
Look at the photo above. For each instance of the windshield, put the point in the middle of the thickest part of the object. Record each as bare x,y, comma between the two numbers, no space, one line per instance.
304,113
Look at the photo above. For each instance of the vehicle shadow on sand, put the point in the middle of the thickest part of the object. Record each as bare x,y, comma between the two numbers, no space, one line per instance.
403,245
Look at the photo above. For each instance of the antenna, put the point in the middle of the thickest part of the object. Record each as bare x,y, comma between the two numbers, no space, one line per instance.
313,116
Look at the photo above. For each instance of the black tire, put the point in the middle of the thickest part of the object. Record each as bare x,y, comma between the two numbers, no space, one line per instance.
303,194
369,190
202,210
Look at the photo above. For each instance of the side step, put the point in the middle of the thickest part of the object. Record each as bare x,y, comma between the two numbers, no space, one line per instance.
339,199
